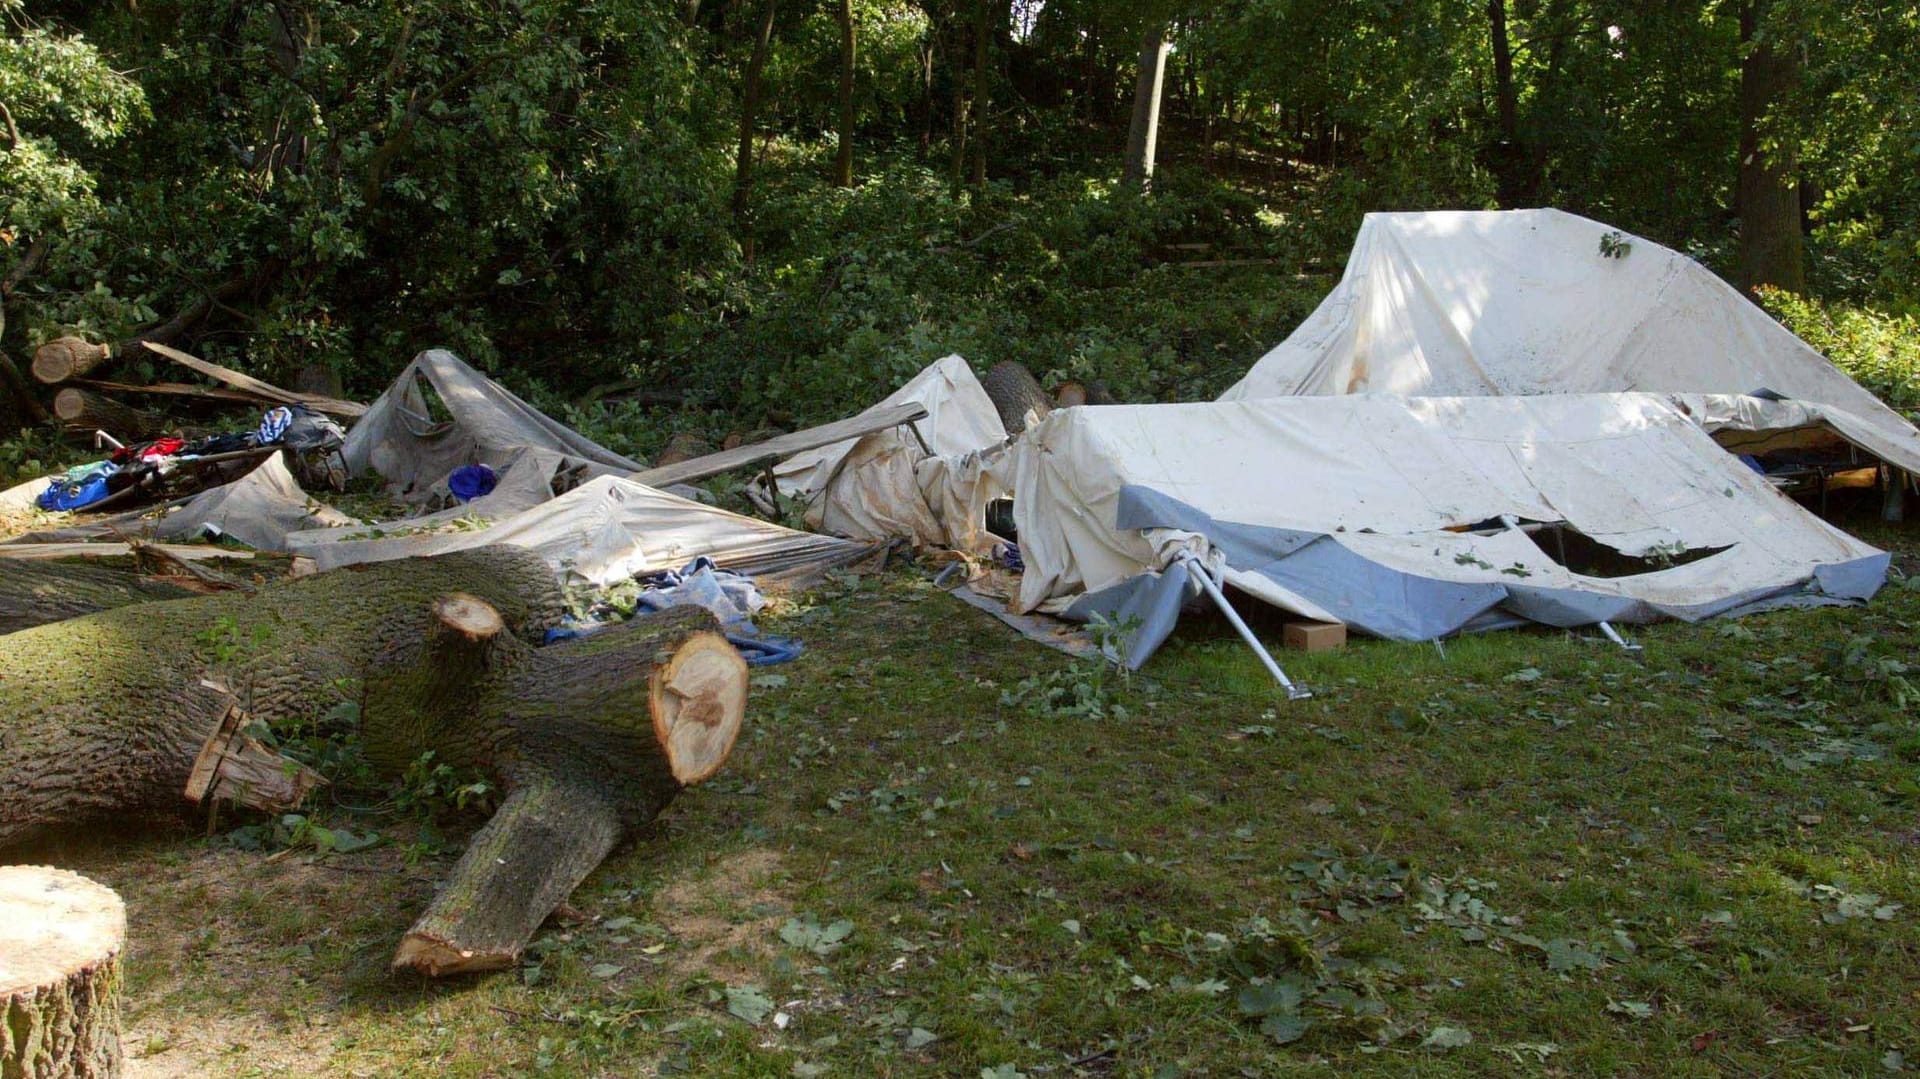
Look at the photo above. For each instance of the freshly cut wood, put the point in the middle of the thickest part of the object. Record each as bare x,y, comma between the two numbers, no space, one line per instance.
35,593
60,941
758,453
587,739
81,408
67,357
265,391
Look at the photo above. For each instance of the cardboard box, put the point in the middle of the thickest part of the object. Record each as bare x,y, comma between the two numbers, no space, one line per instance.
1314,636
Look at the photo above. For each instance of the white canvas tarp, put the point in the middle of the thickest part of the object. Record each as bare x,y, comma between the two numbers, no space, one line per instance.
1386,513
1526,302
885,485
260,509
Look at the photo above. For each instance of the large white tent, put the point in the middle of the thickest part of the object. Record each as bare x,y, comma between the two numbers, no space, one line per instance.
1524,302
1415,518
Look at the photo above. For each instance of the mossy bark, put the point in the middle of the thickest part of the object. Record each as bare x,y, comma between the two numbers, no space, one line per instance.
102,716
35,593
588,739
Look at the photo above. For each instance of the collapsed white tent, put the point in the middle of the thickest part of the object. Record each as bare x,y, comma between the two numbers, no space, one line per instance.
414,445
1523,302
1409,518
887,484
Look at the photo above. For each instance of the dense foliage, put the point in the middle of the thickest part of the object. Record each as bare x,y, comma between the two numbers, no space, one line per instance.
315,189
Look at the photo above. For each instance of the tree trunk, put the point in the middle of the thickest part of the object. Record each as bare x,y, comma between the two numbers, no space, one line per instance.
749,108
60,941
1509,156
843,161
1144,132
588,739
35,593
982,38
1767,197
84,409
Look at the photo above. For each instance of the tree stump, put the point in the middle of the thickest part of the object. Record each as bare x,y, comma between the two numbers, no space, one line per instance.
60,940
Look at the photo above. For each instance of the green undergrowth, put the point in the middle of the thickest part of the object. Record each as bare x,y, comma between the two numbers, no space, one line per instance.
1518,853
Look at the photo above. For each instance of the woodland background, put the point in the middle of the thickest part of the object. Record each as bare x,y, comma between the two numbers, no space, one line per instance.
654,215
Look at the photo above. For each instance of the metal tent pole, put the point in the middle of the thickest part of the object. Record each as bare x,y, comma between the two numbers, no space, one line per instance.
1197,569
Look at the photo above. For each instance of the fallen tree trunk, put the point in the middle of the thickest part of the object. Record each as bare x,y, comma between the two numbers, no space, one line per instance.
587,740
36,593
60,941
82,408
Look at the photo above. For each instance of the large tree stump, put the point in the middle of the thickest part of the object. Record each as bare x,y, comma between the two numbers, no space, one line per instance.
587,739
60,940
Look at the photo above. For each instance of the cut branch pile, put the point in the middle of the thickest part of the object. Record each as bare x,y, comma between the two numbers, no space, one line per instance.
588,739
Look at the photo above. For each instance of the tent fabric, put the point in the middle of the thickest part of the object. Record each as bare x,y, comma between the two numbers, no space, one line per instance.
1522,302
885,485
604,531
260,509
1373,510
401,439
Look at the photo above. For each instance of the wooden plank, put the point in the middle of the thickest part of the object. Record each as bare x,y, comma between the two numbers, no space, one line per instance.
110,550
332,406
171,389
773,449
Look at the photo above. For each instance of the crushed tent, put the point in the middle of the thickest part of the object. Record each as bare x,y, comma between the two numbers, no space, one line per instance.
1415,518
441,415
606,530
1522,302
886,485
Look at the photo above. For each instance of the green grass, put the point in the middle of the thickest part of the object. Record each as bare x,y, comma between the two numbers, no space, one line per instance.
1593,862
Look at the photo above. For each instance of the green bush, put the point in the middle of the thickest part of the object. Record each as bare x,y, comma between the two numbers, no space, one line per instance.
1880,351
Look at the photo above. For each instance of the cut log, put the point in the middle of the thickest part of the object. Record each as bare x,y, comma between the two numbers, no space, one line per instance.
1016,395
60,941
36,593
67,357
587,739
82,408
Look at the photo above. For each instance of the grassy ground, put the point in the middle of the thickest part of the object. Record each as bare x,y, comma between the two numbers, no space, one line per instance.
1531,853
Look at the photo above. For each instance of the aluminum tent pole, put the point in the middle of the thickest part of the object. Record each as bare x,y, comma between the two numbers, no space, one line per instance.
1207,584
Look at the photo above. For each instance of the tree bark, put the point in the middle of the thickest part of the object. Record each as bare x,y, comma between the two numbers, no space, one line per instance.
1767,196
80,408
843,160
60,941
982,88
588,739
36,593
749,108
1510,158
1144,132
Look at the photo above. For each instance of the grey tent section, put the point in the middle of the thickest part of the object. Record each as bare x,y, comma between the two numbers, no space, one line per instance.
441,414
1415,518
260,509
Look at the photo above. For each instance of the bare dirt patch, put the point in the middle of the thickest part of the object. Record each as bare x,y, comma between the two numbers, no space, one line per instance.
725,920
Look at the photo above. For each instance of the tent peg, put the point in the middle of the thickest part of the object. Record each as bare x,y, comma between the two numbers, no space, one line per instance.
1207,584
